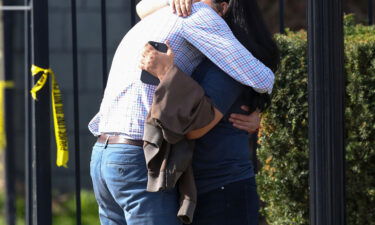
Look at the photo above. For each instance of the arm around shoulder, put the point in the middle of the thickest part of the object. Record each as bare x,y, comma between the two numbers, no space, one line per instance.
147,7
188,101
195,134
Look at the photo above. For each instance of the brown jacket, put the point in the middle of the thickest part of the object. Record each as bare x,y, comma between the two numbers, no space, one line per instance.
179,106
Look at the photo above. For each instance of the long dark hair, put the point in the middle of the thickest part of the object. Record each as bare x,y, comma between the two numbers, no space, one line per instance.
247,24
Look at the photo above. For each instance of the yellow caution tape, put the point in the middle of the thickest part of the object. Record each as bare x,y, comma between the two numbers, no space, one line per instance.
57,111
3,137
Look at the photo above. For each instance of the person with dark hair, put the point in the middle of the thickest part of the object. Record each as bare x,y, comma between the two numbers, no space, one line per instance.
223,171
118,167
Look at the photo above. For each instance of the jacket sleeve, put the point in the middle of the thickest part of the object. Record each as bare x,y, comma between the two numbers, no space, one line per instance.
180,106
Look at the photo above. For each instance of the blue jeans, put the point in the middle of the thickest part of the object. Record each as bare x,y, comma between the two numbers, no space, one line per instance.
233,204
119,177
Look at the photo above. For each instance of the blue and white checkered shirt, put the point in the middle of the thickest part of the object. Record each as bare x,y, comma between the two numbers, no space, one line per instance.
127,100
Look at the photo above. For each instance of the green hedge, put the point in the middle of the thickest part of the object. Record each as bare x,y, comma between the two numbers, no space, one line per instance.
283,179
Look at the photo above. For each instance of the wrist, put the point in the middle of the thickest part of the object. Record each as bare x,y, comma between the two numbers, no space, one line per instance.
163,73
167,72
168,69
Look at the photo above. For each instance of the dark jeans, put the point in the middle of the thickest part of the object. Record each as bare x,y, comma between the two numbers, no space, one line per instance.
233,204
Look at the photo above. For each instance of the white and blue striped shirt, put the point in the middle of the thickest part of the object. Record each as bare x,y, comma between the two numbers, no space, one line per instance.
127,100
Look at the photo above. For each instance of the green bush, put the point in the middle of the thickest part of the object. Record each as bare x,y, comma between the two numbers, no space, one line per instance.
283,179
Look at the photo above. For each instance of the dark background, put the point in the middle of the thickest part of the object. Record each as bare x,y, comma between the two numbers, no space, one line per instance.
295,12
90,67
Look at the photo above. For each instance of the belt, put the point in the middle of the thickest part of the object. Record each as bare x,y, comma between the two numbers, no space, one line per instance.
114,139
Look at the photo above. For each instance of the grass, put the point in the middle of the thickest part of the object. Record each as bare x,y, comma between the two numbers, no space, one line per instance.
63,209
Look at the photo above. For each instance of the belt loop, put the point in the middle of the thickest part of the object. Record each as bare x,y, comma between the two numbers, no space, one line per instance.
106,141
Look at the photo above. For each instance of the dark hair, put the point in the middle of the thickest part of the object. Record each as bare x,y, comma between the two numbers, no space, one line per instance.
247,24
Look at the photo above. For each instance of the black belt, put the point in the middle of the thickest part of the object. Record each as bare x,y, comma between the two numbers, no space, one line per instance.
115,139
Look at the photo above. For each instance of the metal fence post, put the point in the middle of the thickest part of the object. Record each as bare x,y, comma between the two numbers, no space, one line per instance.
28,130
76,113
133,14
104,42
41,147
282,16
10,197
326,112
370,12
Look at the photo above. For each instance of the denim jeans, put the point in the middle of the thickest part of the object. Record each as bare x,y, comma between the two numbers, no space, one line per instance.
233,204
119,177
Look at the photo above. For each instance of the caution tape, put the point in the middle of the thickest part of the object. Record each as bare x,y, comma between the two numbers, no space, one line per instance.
3,138
57,112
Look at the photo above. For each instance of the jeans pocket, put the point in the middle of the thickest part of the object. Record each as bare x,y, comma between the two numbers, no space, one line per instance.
123,175
95,158
96,152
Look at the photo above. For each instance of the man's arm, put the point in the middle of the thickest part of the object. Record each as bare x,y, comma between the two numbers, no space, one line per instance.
147,7
209,33
159,64
195,134
214,84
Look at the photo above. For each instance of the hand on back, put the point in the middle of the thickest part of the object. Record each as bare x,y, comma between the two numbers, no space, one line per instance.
249,123
182,7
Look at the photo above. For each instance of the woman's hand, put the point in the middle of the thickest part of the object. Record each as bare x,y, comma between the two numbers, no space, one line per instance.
155,62
249,123
182,7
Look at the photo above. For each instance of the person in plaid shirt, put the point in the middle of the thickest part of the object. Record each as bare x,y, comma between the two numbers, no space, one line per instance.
117,165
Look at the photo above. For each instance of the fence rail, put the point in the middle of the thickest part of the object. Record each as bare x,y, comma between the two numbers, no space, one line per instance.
15,8
326,112
28,128
104,41
77,150
40,119
370,6
282,16
10,208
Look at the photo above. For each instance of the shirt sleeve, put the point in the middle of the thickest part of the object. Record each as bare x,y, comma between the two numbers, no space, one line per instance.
209,33
218,86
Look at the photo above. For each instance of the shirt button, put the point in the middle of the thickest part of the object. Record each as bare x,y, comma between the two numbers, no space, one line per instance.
222,188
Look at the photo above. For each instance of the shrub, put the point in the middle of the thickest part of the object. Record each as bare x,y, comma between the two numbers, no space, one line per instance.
283,179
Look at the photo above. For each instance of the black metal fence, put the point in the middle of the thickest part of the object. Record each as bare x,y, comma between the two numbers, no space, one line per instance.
325,63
